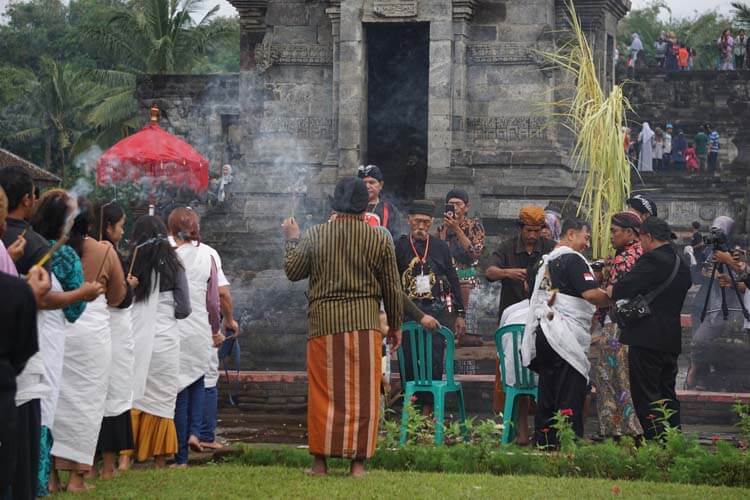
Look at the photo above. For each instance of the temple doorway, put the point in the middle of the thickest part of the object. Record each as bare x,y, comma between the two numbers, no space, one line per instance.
398,71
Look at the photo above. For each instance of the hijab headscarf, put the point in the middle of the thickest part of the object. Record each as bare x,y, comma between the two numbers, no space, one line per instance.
636,44
647,134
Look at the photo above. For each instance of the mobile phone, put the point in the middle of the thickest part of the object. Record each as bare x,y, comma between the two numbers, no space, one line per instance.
450,208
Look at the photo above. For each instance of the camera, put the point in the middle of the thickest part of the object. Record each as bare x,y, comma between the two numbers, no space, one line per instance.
717,239
450,209
597,266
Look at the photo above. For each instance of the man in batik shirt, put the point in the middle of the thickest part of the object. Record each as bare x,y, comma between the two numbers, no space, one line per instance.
465,238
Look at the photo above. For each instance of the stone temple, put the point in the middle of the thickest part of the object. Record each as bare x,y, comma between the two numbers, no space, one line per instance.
438,93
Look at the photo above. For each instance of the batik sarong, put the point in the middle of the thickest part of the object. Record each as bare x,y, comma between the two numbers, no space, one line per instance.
344,375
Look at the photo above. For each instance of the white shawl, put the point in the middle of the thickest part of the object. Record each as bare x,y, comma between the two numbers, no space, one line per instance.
566,324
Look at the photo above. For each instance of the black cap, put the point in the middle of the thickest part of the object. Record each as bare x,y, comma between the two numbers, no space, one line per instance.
370,171
350,196
658,229
422,207
457,193
642,205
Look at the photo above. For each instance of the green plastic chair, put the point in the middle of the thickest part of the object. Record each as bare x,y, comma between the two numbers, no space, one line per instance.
525,384
420,342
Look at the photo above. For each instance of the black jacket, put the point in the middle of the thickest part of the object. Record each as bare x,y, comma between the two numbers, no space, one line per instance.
661,331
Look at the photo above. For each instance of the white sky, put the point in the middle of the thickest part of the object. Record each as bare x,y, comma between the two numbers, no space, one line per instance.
680,8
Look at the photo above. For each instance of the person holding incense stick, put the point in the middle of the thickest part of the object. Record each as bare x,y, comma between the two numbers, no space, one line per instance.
88,356
116,433
161,298
198,332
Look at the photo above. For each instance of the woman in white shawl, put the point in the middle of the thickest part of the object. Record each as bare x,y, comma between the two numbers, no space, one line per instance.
635,47
161,298
646,156
198,333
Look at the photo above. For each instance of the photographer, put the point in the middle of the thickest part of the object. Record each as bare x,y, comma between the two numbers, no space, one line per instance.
711,299
655,338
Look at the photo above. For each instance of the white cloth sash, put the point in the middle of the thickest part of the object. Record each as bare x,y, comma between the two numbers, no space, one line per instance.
161,388
120,390
51,326
195,331
566,324
513,315
143,317
83,389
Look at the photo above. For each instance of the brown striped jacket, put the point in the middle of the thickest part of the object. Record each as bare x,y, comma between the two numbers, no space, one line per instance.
351,267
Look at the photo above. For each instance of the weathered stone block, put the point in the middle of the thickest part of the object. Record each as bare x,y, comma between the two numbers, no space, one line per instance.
296,34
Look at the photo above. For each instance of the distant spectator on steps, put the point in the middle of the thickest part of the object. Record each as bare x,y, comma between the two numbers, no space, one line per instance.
667,158
701,146
636,46
713,150
683,58
691,160
672,48
725,44
658,149
645,141
660,49
679,146
740,50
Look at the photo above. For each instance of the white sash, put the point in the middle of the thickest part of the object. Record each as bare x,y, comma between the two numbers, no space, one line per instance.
566,324
51,326
83,389
161,388
195,331
143,317
120,391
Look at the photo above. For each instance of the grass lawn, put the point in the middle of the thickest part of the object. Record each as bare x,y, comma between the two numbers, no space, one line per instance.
237,481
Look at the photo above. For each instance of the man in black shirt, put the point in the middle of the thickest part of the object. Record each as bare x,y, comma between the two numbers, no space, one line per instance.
656,340
555,344
430,280
390,218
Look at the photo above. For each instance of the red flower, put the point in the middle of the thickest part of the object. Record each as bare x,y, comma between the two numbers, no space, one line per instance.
414,399
715,438
616,490
567,412
545,430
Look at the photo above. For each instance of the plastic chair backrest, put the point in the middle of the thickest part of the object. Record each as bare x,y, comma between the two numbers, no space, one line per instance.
420,343
523,376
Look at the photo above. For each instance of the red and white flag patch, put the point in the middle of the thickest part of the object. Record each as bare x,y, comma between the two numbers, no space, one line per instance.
588,277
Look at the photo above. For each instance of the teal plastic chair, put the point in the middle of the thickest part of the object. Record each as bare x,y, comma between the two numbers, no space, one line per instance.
420,342
525,384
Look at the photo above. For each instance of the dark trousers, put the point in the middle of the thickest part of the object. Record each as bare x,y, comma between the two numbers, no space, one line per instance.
208,426
666,161
561,387
437,349
713,160
28,434
8,441
652,379
188,416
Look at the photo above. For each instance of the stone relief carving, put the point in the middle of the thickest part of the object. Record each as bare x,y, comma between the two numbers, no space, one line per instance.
307,127
505,128
394,8
268,54
509,53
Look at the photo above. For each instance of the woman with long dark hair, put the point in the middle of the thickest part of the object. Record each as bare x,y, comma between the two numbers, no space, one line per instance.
116,433
53,209
88,354
161,298
199,332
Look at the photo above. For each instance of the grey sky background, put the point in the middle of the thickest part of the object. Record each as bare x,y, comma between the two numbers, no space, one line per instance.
680,8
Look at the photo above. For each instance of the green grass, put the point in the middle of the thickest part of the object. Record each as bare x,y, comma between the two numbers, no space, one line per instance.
236,481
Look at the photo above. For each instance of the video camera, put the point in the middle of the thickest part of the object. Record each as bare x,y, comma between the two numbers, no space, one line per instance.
717,239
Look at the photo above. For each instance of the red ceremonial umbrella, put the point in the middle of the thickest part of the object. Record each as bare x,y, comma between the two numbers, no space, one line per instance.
154,153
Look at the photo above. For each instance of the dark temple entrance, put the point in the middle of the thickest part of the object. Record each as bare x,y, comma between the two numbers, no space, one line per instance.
398,70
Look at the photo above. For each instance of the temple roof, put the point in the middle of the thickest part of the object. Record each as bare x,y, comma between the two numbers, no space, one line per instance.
38,173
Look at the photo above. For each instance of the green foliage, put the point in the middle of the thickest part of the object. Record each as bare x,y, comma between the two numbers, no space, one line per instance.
743,413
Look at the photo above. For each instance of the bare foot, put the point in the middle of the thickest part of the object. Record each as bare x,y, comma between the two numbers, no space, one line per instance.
124,464
77,484
194,444
160,462
107,474
357,468
319,467
54,482
212,446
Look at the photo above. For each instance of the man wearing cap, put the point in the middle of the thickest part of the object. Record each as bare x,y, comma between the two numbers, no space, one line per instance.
351,267
654,341
389,216
510,264
641,206
430,280
465,238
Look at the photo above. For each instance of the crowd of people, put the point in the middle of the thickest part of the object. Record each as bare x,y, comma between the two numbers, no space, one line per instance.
110,355
672,54
661,150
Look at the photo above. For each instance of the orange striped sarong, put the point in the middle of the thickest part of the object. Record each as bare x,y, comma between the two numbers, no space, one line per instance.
343,403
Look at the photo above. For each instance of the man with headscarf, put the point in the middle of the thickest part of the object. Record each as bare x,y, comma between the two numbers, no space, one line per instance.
389,216
511,264
714,324
609,358
465,238
430,280
351,267
655,340
641,206
556,340
646,156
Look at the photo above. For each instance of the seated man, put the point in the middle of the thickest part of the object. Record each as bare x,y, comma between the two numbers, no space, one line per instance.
557,336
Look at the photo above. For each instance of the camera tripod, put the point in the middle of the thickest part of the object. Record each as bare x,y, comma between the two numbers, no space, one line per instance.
718,266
